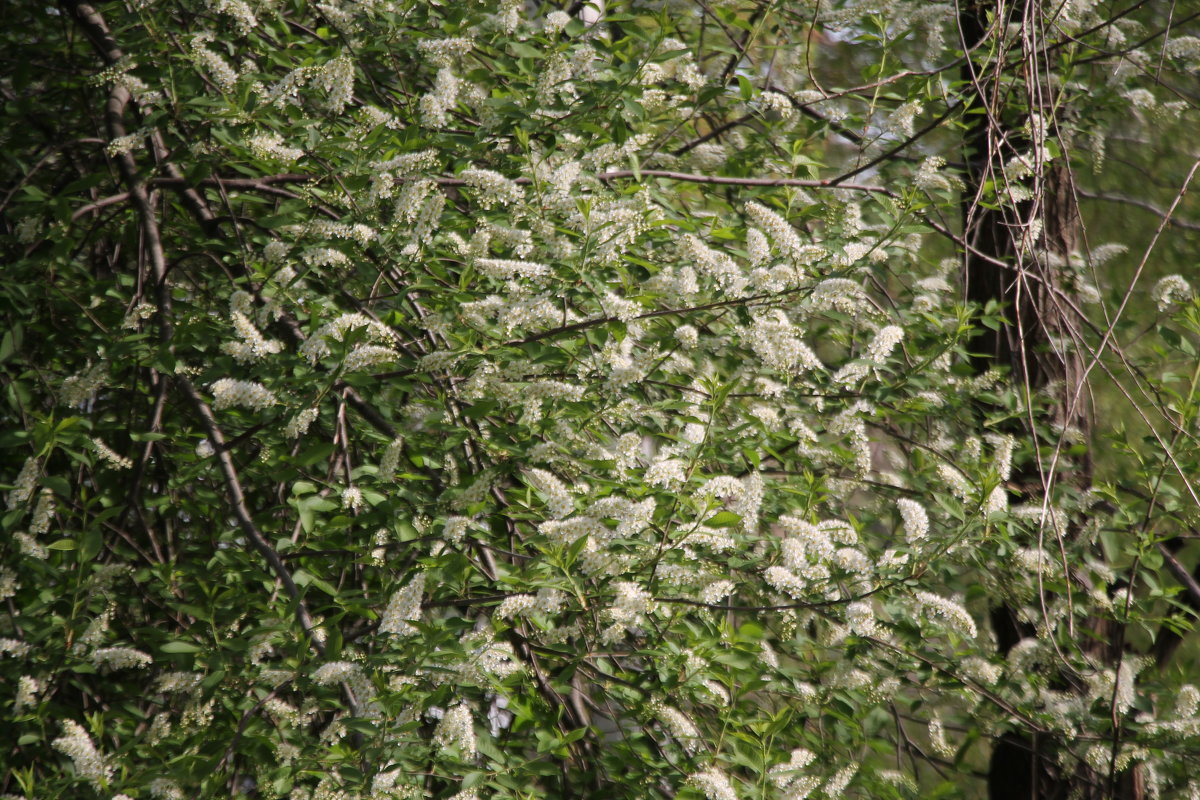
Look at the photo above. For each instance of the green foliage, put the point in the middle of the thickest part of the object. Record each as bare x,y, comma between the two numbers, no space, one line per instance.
474,400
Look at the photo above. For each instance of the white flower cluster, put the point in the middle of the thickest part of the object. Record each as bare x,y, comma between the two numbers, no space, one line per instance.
300,423
782,234
681,728
456,529
347,672
123,145
955,481
494,189
837,784
178,682
884,342
390,460
714,784
385,174
616,225
239,10
79,388
723,270
928,178
1171,290
336,78
629,605
89,763
515,605
404,606
916,521
981,670
251,345
842,295
717,591
789,776
775,103
778,342
23,486
618,307
368,356
228,393
860,619
281,711
435,106
950,612
325,257
758,247
120,658
30,546
42,513
165,789
937,738
13,647
328,229
223,75
445,52
28,689
457,729
515,310
900,121
682,67
558,499
106,453
316,346
8,583
352,498
1003,447
555,22
506,269
95,631
270,147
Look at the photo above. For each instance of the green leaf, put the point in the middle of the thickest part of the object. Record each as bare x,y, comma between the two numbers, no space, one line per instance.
746,89
723,519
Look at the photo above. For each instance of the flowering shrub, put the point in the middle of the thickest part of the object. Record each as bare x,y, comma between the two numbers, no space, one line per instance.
491,400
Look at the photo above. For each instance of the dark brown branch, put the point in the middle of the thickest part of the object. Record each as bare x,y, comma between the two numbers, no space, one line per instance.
96,29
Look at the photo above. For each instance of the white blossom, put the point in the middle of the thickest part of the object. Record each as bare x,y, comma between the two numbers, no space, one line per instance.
950,612
270,147
714,784
120,658
916,521
107,454
493,188
89,763
228,393
558,500
23,486
28,689
299,424
404,607
1171,290
457,729
42,513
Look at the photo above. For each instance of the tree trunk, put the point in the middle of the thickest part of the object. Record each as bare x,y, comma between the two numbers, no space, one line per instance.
1013,258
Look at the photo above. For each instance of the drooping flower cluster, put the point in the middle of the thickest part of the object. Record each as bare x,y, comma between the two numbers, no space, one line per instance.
89,763
231,393
404,607
457,730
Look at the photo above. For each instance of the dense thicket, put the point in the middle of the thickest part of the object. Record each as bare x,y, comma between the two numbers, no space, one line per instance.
501,400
